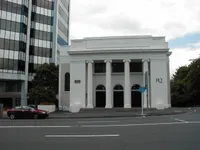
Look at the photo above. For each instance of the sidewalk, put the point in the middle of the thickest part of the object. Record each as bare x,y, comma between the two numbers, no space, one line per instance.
108,113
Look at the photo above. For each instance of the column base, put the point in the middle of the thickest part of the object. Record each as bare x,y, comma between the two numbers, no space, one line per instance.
127,106
90,106
108,106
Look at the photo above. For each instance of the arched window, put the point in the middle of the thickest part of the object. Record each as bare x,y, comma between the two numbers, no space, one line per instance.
118,87
67,82
135,87
100,88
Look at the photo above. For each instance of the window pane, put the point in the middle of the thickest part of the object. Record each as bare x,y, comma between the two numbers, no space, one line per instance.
1,43
136,67
5,64
12,45
99,67
15,67
67,82
10,64
6,44
3,24
1,63
117,67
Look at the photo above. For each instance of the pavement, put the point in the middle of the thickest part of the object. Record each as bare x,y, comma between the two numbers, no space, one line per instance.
166,132
119,112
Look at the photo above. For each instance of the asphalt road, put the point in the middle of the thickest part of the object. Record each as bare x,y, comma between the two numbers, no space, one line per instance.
176,132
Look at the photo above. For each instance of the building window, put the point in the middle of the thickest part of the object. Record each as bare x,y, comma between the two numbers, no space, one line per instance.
136,67
67,82
135,87
118,67
100,88
118,87
99,68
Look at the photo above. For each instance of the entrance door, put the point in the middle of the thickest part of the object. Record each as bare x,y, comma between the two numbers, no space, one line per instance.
136,97
118,93
101,96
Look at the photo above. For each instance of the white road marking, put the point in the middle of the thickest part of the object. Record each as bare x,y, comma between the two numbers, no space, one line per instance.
4,127
179,120
145,124
98,121
81,136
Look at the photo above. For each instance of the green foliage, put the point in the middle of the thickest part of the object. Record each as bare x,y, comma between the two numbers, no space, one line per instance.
45,84
185,85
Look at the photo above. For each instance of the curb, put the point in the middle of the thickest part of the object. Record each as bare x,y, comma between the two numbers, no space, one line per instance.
113,116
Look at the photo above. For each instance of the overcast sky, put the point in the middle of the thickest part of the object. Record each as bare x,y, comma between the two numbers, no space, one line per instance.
178,20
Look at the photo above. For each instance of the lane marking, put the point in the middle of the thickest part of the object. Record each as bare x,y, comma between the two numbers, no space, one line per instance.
81,136
98,121
145,124
179,120
4,127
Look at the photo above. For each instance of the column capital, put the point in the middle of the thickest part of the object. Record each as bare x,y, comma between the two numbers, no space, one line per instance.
145,60
126,60
107,61
89,61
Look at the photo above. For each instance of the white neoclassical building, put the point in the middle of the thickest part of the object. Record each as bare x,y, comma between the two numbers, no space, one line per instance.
108,71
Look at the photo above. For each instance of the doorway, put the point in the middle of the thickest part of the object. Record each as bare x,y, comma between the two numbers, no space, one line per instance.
118,93
100,96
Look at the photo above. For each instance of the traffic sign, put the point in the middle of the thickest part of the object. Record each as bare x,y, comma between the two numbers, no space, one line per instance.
142,89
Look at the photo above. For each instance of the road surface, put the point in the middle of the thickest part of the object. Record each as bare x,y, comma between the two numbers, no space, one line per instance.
175,132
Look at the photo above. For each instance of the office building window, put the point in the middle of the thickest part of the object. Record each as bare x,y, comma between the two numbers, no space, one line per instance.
13,7
41,18
44,4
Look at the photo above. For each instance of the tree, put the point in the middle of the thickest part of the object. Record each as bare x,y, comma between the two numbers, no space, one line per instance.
45,84
193,81
178,87
185,85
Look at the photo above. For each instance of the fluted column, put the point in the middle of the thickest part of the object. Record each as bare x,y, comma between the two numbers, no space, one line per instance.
108,84
145,69
127,89
90,85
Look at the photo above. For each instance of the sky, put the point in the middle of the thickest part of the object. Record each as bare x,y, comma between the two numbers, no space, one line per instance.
178,20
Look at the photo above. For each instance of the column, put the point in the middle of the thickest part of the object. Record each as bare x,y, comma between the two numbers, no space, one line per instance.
24,85
127,89
149,84
168,83
108,84
61,87
145,69
23,94
90,85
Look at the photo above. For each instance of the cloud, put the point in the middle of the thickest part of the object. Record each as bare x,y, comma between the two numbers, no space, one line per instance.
183,56
178,20
171,18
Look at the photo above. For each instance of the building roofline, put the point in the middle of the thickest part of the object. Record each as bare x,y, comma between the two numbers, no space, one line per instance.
118,37
79,52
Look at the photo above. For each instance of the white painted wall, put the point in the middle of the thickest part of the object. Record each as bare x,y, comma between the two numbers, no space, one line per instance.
119,42
159,91
78,91
64,96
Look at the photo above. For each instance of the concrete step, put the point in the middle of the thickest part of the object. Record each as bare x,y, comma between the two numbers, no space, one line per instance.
114,109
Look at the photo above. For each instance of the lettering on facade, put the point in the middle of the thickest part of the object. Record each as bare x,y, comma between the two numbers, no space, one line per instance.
77,81
159,80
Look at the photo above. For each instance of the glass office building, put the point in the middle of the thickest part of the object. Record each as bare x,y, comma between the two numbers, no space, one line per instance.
31,33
